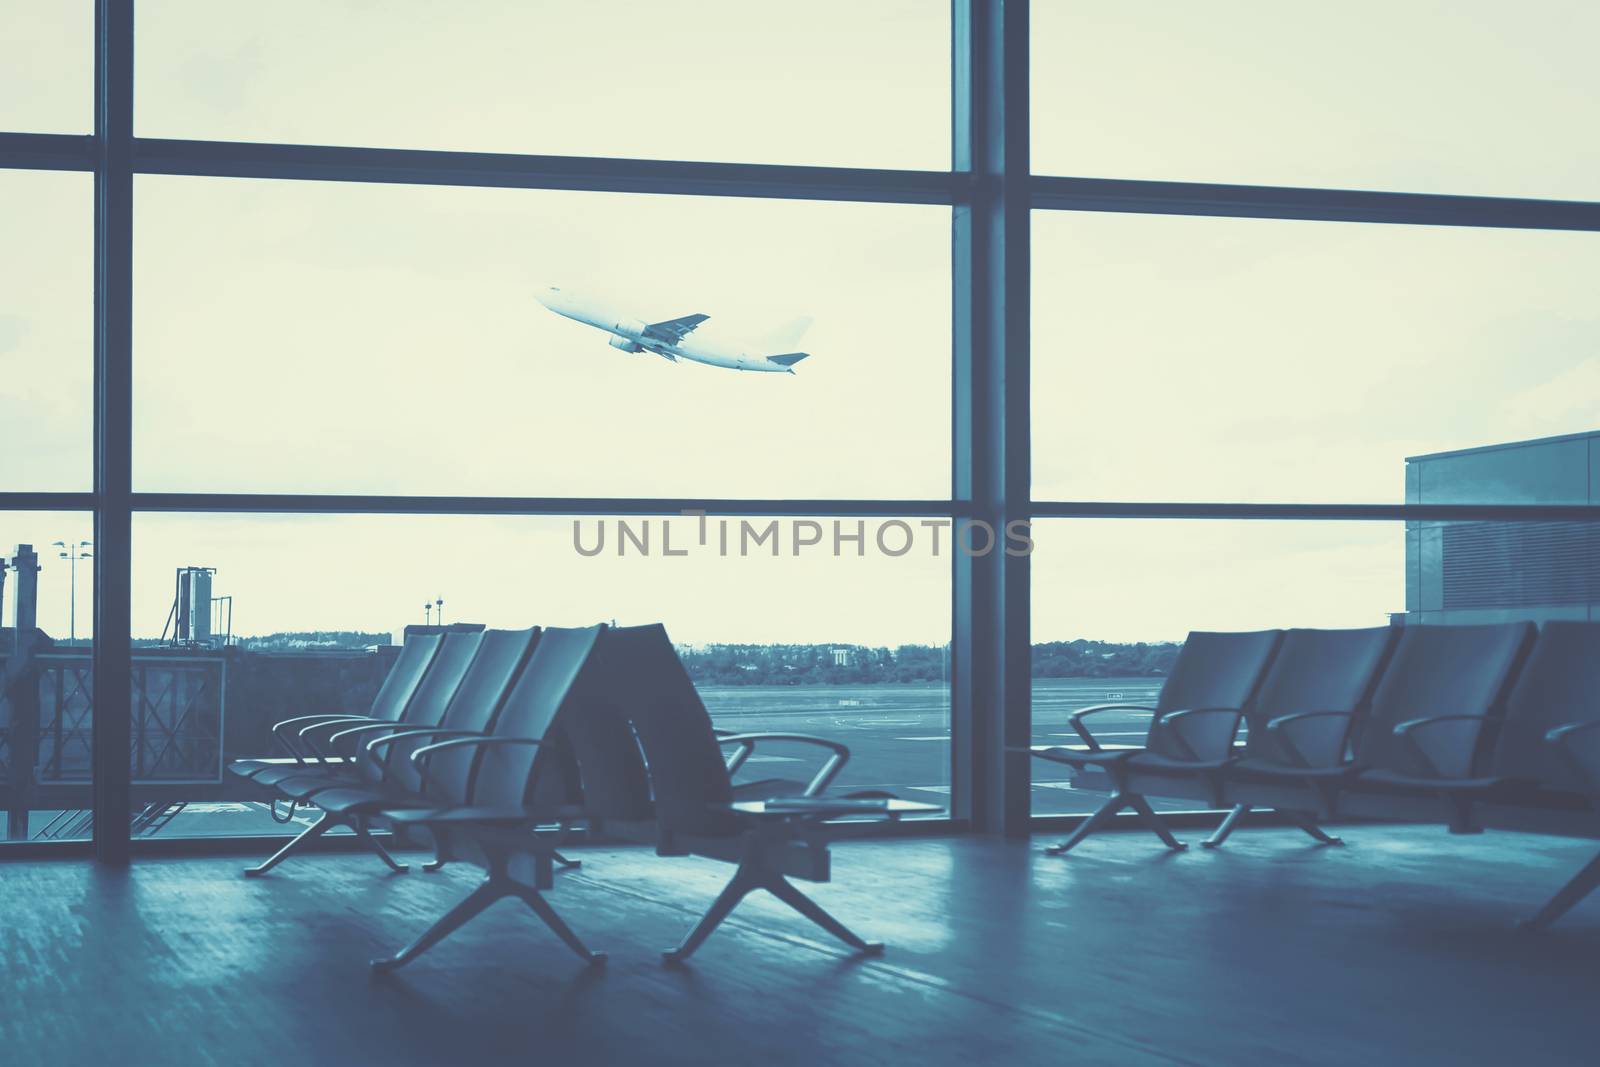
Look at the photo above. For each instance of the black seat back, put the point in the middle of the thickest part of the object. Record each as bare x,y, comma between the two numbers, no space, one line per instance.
433,693
1213,670
501,654
1441,670
1559,684
1319,670
641,703
499,776
416,655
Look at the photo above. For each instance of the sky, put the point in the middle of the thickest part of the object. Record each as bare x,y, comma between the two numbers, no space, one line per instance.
310,337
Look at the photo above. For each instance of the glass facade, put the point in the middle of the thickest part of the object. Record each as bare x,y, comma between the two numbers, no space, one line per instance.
287,318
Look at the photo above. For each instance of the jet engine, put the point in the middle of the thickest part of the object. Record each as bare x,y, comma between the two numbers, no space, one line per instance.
625,344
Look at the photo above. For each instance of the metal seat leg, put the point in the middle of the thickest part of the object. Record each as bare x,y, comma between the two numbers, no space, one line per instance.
541,907
790,894
1114,804
464,911
1156,823
1309,825
1230,821
1579,886
310,833
738,887
377,846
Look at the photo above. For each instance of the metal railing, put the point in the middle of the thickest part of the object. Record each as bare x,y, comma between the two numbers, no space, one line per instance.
176,713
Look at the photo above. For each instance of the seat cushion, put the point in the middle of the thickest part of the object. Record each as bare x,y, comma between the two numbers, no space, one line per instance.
1396,781
306,786
767,788
1258,768
1087,757
263,772
343,800
1156,763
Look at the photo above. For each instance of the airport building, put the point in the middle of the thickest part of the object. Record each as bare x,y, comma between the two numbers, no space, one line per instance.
1489,571
916,489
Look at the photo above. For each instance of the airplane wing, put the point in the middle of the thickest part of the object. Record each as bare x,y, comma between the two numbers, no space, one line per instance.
674,330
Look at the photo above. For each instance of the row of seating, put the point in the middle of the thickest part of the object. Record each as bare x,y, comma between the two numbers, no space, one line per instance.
1490,726
493,743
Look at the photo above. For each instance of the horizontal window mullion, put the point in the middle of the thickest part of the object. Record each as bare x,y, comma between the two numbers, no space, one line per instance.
504,170
1086,509
46,151
28,501
317,503
1331,205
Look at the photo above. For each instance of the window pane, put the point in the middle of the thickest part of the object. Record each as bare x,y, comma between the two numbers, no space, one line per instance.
1255,360
847,646
47,701
831,82
1480,97
308,337
46,66
1114,599
46,330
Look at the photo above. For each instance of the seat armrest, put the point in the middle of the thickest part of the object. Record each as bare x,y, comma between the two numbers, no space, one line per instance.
1312,738
1443,745
1579,745
823,778
1075,720
420,754
289,732
308,734
406,735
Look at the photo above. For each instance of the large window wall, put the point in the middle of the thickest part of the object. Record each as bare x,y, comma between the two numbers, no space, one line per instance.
1265,396
276,316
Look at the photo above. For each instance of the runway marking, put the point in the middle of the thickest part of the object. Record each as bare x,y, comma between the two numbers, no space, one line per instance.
931,737
774,759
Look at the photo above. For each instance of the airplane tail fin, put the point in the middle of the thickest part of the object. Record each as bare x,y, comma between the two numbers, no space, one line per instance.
788,359
790,333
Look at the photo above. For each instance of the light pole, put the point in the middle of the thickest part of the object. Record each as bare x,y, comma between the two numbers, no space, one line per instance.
73,553
440,603
427,612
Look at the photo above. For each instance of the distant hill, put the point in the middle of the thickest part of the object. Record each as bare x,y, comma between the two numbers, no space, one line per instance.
726,664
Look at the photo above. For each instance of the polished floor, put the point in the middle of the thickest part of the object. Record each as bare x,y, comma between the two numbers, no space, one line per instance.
1396,949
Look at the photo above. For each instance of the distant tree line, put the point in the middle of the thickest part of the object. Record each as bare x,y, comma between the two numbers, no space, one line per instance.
293,641
300,639
727,664
863,665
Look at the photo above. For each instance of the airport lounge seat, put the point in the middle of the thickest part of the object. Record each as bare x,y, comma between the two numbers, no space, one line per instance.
1329,674
1459,671
296,735
1194,722
491,797
1536,768
1304,762
643,739
425,709
388,778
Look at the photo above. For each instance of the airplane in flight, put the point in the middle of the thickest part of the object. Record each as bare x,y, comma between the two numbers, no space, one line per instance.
669,339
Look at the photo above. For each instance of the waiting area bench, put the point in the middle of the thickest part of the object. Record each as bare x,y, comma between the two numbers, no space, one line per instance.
1471,727
491,743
